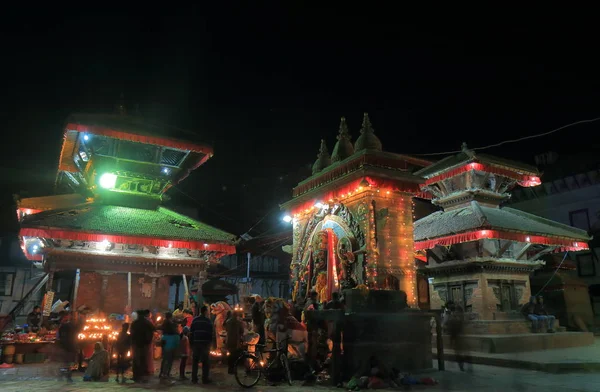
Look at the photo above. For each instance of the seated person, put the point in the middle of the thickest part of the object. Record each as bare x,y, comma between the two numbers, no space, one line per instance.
543,316
98,364
529,312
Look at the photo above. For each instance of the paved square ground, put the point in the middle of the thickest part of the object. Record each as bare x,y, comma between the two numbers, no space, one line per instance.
41,378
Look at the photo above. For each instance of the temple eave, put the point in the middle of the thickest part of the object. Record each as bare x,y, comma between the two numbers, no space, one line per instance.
63,260
484,232
74,235
477,265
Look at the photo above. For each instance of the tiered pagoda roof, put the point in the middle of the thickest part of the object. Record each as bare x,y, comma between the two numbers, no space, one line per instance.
476,222
117,169
471,187
98,222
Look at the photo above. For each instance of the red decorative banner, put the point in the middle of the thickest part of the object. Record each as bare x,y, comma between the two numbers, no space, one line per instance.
524,180
124,239
564,244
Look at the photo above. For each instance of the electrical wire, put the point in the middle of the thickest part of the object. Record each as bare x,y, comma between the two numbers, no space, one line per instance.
514,140
262,219
555,271
203,206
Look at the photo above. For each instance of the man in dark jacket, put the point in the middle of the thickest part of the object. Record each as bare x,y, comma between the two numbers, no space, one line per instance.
258,318
201,334
34,319
142,332
67,339
235,330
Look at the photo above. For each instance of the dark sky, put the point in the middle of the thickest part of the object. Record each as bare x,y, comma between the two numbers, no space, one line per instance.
264,85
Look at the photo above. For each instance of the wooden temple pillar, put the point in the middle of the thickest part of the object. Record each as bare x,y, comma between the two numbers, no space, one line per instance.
50,281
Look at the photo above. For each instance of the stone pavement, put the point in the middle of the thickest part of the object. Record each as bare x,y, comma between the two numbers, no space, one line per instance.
40,378
557,360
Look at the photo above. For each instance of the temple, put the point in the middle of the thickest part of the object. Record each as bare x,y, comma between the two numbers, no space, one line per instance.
107,229
480,255
352,219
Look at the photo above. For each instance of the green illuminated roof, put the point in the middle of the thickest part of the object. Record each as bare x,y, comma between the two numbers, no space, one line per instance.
160,223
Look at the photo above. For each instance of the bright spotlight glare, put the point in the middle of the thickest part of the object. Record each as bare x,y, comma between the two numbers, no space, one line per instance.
108,180
319,205
287,219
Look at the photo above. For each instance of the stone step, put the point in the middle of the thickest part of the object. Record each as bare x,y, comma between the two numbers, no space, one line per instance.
513,343
500,327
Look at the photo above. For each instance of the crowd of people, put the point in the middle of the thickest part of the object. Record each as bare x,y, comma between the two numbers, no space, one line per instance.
181,336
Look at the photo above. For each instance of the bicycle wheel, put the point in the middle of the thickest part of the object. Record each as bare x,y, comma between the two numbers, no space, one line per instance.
247,370
286,367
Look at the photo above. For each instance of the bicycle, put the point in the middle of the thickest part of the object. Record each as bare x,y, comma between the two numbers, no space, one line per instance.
255,364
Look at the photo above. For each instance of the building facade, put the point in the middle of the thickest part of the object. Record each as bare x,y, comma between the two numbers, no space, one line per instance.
570,194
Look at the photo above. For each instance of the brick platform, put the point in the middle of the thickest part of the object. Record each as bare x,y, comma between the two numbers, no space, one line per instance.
516,343
502,327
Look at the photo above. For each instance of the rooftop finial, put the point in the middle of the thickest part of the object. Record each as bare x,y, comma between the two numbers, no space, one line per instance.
343,147
367,139
465,149
366,124
323,159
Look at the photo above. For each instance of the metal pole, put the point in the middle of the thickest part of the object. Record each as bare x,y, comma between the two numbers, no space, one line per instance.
129,290
75,289
248,268
439,341
186,295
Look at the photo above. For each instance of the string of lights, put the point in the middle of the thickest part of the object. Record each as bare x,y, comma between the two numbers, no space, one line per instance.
515,140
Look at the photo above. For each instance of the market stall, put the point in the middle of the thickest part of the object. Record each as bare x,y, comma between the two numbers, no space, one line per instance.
20,347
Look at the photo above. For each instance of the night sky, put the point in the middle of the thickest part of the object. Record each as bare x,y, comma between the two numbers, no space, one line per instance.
264,85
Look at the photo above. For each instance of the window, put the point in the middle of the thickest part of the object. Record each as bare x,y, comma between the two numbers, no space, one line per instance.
580,219
585,265
7,280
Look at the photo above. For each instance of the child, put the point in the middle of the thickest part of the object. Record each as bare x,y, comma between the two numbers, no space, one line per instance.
184,351
122,347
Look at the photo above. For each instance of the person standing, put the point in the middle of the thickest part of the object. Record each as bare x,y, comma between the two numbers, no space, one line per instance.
184,351
142,332
201,334
123,346
188,317
258,317
170,343
67,339
235,330
34,319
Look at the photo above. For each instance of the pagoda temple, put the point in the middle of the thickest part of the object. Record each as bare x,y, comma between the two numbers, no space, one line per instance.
352,219
107,224
476,253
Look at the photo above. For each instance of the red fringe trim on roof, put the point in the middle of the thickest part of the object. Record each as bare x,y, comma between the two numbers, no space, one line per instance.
353,187
524,180
132,240
564,244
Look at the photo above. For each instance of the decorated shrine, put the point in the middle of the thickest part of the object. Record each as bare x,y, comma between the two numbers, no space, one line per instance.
352,219
107,224
476,253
